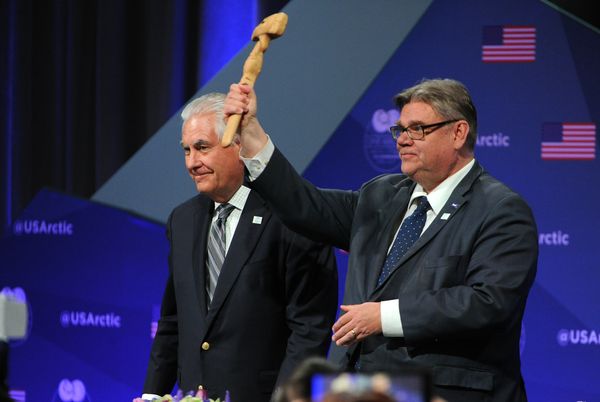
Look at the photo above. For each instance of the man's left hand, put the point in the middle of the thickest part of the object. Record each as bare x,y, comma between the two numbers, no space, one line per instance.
357,322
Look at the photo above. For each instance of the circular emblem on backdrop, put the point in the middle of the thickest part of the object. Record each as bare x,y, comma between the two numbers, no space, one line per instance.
378,144
71,391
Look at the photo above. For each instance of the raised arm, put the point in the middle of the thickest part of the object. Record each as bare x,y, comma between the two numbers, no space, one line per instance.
241,100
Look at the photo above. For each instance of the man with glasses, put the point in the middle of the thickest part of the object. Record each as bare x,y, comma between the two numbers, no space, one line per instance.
442,256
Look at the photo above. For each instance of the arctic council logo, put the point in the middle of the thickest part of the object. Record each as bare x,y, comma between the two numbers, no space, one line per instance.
378,144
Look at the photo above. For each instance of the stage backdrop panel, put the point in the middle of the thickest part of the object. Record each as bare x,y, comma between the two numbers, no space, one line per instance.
93,277
329,47
326,100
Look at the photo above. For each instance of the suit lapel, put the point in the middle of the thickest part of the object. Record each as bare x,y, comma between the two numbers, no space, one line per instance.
456,200
201,224
244,241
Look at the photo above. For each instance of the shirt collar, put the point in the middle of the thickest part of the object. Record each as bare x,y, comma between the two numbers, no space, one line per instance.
439,196
238,200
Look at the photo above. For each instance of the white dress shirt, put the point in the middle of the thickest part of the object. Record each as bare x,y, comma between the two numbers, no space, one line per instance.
238,200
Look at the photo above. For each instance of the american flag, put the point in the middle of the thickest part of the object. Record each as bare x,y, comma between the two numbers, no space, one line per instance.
508,44
569,141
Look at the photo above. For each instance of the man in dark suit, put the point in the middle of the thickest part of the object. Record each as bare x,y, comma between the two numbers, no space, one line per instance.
442,257
246,299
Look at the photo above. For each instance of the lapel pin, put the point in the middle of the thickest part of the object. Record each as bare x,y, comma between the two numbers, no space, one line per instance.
257,220
454,205
445,216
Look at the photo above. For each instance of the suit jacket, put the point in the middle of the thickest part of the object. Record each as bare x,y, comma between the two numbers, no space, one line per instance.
273,306
462,287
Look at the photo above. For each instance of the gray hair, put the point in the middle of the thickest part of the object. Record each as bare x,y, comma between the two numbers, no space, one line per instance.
210,103
447,97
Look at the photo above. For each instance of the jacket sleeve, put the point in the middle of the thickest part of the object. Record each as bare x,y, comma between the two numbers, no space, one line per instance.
319,214
161,374
311,293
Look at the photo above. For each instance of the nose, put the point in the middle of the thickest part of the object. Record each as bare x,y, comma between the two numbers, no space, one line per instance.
403,140
193,160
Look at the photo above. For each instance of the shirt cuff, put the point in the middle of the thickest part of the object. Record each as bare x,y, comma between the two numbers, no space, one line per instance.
257,164
391,324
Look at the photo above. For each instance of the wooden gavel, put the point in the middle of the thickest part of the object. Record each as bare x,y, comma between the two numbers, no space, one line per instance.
271,27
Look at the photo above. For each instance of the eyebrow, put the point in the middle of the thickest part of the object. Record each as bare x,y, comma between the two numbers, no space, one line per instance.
195,144
411,123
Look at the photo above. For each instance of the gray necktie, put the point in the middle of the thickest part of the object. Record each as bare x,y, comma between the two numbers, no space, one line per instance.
216,248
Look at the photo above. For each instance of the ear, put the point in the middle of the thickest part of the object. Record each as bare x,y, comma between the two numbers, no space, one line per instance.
236,143
461,132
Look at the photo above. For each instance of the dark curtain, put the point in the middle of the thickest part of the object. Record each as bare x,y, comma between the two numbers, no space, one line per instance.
84,83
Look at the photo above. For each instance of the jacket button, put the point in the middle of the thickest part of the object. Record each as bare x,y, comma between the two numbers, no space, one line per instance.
205,345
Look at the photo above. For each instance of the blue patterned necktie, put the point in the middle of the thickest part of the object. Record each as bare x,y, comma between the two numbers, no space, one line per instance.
216,248
409,233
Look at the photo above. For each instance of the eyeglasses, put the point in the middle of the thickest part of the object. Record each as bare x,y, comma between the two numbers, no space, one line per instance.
418,131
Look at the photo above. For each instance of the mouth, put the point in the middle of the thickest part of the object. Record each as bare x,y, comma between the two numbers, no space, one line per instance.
198,177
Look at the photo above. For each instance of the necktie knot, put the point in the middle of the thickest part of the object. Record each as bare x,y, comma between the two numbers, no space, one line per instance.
422,205
223,211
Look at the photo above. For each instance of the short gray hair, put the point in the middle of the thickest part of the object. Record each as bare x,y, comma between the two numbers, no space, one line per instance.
447,97
210,103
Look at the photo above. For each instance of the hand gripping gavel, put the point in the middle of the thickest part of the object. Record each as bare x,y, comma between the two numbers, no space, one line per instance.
271,27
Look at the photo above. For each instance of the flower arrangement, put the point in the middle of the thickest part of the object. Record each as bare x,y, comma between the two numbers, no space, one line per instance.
198,396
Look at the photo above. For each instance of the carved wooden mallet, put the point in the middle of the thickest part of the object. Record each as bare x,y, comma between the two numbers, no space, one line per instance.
271,27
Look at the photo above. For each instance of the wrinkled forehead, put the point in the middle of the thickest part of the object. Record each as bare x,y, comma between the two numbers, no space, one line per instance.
199,126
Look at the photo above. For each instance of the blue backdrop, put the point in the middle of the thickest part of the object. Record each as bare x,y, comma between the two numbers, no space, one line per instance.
94,291
93,277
